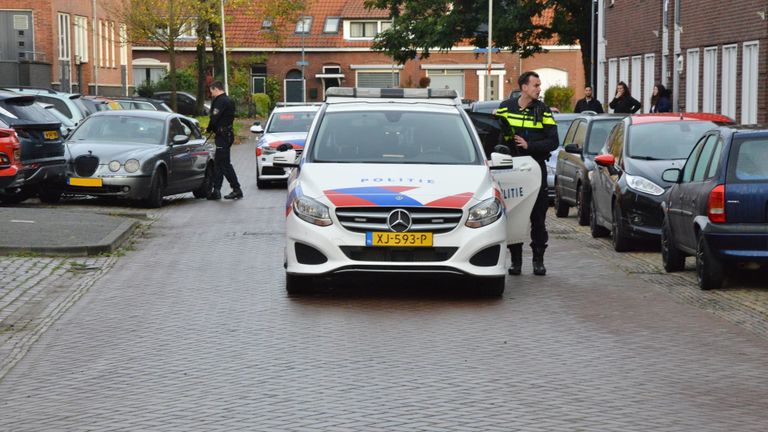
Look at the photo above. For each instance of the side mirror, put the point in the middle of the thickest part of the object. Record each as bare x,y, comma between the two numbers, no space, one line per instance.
501,161
180,139
286,159
671,175
256,128
572,148
605,160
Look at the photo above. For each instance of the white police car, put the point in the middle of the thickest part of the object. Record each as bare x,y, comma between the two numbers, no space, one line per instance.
396,180
286,129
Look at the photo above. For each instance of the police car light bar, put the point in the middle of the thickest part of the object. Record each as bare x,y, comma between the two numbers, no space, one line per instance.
391,93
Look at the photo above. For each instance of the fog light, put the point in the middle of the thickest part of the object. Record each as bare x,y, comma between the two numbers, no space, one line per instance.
126,188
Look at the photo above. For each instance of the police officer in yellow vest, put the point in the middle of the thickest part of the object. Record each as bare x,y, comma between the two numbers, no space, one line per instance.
532,132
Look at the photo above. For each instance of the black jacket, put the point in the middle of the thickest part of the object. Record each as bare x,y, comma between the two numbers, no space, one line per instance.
534,123
222,114
588,105
625,105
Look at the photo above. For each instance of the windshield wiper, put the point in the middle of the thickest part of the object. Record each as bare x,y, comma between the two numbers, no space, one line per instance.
645,158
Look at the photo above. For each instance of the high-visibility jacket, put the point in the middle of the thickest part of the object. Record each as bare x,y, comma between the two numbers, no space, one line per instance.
534,123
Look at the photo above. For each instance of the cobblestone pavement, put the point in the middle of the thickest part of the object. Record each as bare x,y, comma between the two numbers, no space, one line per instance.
193,331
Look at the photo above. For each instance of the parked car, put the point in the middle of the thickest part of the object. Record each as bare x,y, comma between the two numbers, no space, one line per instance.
42,149
142,103
717,207
394,181
286,129
67,126
582,142
69,104
99,103
185,103
139,155
627,187
10,158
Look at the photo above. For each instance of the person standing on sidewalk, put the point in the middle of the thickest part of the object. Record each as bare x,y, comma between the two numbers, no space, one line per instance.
535,135
222,116
623,102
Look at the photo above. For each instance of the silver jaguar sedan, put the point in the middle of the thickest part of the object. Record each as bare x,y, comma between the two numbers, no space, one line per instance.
139,155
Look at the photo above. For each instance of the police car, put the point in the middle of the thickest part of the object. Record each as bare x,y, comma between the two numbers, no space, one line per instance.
286,129
396,181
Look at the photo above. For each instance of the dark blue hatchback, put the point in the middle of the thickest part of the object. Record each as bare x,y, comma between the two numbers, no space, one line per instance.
717,210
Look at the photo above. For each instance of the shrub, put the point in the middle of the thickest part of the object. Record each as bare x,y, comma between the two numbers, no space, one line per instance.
559,97
262,103
145,89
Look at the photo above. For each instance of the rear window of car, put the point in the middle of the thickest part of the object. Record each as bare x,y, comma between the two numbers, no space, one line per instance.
393,136
290,122
751,160
665,140
598,134
120,130
26,109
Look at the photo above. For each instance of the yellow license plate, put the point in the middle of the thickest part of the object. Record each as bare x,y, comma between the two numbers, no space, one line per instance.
51,135
87,182
398,239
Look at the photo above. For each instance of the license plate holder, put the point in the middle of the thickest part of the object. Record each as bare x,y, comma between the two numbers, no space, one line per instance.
398,239
51,135
85,182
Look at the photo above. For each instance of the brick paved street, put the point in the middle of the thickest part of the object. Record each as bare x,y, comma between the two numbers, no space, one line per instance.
193,331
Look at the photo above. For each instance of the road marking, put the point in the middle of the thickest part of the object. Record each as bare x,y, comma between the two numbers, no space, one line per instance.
21,221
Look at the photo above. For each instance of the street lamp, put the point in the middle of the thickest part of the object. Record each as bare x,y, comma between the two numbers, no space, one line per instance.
224,47
490,48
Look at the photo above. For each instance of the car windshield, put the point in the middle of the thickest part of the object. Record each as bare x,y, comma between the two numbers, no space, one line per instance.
120,130
25,109
297,121
393,136
665,140
599,133
751,160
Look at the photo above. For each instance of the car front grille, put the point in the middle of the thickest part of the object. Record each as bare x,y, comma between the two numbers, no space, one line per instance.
399,254
365,219
268,170
86,165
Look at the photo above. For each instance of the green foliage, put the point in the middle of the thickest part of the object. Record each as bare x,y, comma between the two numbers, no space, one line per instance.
559,97
262,103
146,89
186,80
274,91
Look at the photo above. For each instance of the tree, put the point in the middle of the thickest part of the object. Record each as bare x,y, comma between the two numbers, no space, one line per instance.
420,26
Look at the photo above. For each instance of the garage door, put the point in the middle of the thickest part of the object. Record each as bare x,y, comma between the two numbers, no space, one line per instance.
378,79
455,82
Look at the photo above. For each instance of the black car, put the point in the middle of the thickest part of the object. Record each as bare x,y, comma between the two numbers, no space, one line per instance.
627,187
582,142
185,103
717,207
142,103
42,148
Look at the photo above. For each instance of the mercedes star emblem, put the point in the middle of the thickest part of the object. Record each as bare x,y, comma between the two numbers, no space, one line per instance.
399,220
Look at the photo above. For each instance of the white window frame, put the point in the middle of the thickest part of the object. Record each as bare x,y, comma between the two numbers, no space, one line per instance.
692,80
709,83
123,45
65,39
381,25
637,82
100,37
749,80
81,38
303,25
613,65
112,44
624,70
188,30
728,79
329,27
649,73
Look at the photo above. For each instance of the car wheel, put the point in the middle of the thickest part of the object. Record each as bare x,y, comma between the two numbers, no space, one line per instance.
49,195
582,207
620,240
671,257
561,207
295,284
17,196
206,186
156,191
493,287
596,229
709,269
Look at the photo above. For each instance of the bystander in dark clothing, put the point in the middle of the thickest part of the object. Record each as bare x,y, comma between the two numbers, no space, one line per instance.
588,103
660,100
222,117
623,102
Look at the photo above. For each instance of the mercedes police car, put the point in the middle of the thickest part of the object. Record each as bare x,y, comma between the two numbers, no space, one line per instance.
286,129
396,180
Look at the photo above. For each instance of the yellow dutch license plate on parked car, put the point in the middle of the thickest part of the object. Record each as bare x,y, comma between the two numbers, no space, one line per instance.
398,239
51,135
87,182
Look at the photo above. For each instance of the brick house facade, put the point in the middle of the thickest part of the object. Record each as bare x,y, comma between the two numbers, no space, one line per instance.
711,55
336,50
51,43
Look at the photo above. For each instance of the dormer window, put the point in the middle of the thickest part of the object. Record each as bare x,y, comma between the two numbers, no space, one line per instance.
331,25
266,24
365,29
304,24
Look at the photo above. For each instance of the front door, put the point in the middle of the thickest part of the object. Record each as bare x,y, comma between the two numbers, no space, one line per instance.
519,187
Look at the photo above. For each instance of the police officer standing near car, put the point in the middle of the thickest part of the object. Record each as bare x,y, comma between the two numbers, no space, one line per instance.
222,116
532,132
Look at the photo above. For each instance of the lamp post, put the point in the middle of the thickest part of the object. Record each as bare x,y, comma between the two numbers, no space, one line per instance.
490,49
224,46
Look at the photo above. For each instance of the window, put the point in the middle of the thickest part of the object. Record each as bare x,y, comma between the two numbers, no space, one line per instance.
331,25
749,83
366,29
266,24
57,103
612,78
304,24
637,65
64,39
703,162
193,131
569,136
710,80
729,81
581,134
112,44
175,129
648,74
616,141
81,39
624,69
100,37
259,84
692,159
692,81
188,30
715,163
123,45
750,165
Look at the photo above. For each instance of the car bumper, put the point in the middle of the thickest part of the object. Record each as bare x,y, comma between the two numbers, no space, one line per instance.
134,187
335,250
642,214
738,242
269,172
51,171
10,178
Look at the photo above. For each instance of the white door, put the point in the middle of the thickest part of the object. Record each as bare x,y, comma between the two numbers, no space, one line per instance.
649,76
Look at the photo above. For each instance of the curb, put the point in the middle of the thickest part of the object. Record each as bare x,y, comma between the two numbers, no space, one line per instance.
110,243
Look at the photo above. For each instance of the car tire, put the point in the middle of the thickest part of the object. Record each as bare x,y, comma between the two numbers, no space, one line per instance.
582,207
296,285
156,191
48,195
206,186
596,229
709,269
618,236
260,184
493,287
671,257
561,207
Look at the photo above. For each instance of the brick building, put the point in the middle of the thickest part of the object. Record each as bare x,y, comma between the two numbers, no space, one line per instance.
334,38
52,43
711,54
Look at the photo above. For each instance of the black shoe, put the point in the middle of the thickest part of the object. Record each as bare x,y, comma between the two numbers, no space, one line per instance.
516,252
214,195
515,269
236,193
538,268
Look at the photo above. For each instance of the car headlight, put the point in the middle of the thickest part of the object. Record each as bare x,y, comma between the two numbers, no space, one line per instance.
312,211
131,165
485,213
642,184
114,166
268,150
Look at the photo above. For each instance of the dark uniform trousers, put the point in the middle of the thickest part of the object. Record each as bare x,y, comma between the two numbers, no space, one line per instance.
225,137
539,235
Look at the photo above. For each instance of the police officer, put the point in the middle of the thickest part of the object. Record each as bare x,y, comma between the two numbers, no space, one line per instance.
222,116
533,132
